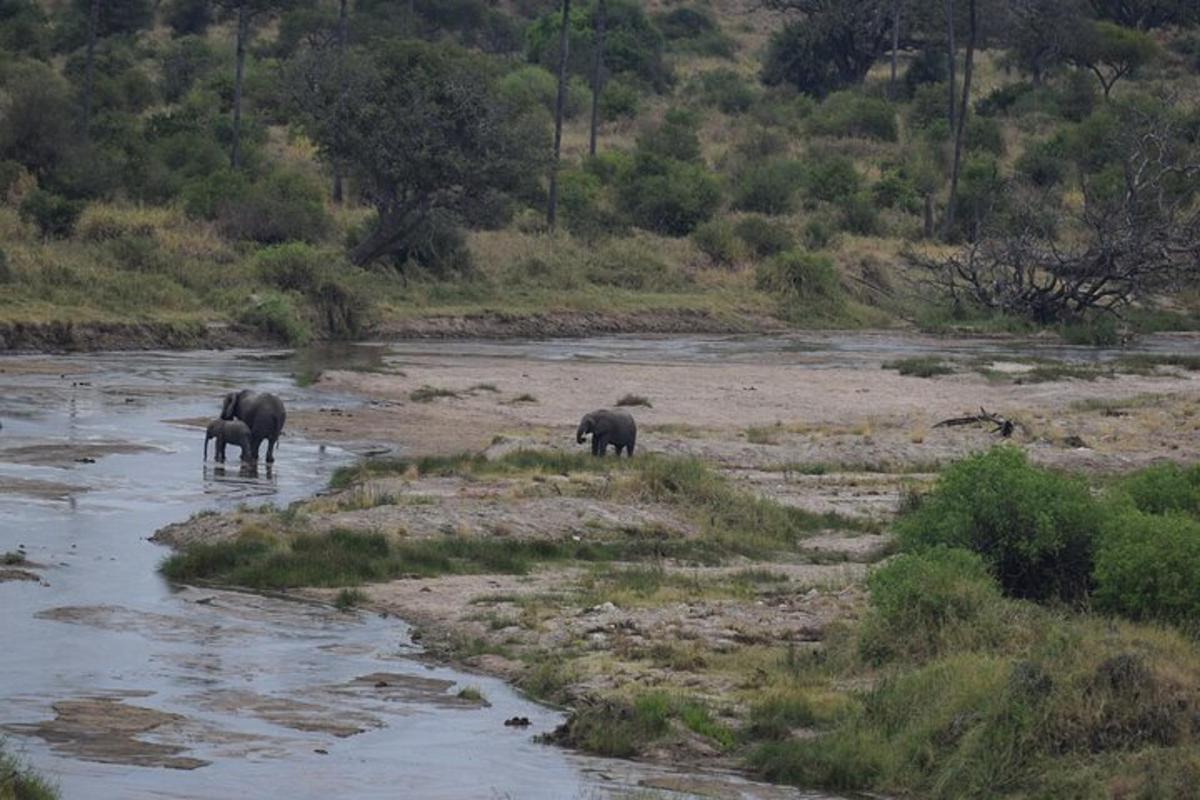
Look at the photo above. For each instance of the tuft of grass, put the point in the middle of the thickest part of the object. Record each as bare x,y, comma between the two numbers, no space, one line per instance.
471,694
764,434
20,782
12,557
427,394
349,599
1147,362
524,397
622,728
483,387
635,400
920,366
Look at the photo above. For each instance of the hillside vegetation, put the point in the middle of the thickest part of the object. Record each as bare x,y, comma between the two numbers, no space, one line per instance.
365,163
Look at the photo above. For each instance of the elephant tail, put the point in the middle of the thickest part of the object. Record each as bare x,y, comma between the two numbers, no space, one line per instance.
206,438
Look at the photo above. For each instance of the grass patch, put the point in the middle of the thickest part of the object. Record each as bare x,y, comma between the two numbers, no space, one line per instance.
623,728
764,434
920,366
635,400
20,782
427,394
12,558
349,599
524,397
471,694
1148,362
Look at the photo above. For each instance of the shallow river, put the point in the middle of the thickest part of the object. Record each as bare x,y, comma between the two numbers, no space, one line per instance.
118,685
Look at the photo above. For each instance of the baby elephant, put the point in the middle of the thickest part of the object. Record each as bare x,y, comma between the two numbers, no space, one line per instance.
227,431
608,427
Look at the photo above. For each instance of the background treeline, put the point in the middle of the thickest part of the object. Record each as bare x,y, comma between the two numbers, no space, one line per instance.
308,166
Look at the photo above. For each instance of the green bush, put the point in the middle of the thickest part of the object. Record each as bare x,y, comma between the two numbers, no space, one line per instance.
581,198
801,276
984,134
726,90
859,214
832,180
136,253
819,235
1033,527
929,603
619,100
769,188
294,266
691,30
764,237
1148,567
1044,164
626,264
532,85
849,114
718,240
54,216
283,207
203,197
1163,488
668,196
276,315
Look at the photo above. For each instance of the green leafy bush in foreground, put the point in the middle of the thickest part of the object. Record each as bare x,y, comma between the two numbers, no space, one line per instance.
1033,527
1148,567
18,782
1163,488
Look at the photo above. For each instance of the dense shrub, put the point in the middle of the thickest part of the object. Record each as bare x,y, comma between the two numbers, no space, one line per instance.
819,235
849,114
985,135
619,99
276,315
764,237
1044,164
692,30
832,180
294,266
769,188
188,17
282,207
1148,565
924,604
532,85
669,196
1033,527
717,240
582,201
897,189
1163,488
136,253
54,216
859,215
677,137
204,196
725,90
801,276
627,264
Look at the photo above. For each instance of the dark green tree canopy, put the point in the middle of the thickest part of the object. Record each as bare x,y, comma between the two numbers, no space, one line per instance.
830,45
422,130
633,46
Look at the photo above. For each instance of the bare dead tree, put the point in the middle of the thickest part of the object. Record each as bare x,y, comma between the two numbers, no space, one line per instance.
563,46
1004,426
1131,236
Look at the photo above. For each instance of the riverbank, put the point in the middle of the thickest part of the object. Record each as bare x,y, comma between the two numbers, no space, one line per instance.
681,601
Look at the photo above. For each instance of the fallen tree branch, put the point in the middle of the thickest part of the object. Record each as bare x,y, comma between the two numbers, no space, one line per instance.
1004,426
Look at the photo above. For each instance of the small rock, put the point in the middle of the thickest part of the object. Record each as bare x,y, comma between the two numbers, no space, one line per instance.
85,460
321,751
426,589
381,684
204,601
603,608
517,722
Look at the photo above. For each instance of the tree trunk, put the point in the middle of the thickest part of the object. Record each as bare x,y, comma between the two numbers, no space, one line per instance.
342,36
563,45
962,116
895,47
90,69
950,46
412,18
243,30
598,71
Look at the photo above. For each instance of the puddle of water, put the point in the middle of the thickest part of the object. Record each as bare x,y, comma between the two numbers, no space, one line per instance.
215,694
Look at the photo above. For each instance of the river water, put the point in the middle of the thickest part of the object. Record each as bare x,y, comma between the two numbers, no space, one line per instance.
248,696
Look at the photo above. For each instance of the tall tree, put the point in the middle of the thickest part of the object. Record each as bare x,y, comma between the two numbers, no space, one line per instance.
598,71
90,70
895,48
342,38
560,101
246,13
952,50
828,44
1112,52
968,65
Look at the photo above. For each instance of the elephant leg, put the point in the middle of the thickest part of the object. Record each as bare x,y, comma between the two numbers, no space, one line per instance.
629,450
255,444
271,450
219,452
601,446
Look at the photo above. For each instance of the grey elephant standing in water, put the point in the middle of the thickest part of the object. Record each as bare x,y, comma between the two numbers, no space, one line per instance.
263,413
227,431
615,428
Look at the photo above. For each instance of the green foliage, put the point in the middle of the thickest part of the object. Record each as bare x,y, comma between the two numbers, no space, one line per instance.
1163,489
920,366
290,267
832,180
763,236
717,240
619,100
726,90
669,196
633,46
349,599
829,49
38,125
622,729
19,782
929,603
1033,527
1112,52
531,85
188,17
1098,330
276,315
770,187
859,214
850,114
807,278
692,30
282,207
1148,564
584,203
54,216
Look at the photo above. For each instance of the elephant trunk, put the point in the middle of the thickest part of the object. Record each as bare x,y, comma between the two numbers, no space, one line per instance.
584,430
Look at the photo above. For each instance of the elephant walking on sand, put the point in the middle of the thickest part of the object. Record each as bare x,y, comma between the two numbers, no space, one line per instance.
615,428
263,413
227,431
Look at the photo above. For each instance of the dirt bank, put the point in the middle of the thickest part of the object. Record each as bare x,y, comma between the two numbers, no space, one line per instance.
74,337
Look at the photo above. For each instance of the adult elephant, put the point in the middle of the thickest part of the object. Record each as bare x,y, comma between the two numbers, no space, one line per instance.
615,428
263,413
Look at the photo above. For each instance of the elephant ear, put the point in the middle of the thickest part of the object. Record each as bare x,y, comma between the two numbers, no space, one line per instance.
230,405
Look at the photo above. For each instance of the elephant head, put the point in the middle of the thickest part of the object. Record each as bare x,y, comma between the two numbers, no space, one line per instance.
231,409
586,425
